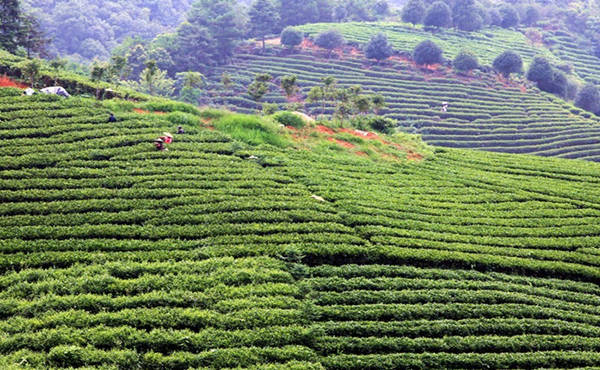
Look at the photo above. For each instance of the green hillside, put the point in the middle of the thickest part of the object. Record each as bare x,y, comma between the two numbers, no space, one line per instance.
216,254
485,112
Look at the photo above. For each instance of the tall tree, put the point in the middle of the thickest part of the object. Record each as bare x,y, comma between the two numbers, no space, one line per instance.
10,25
378,48
438,15
259,88
413,12
466,16
223,21
510,16
264,19
194,48
298,12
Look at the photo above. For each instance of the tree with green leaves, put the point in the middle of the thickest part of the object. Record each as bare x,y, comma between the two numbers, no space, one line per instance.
378,48
540,70
194,48
223,21
31,37
289,84
532,15
466,16
148,75
264,19
508,62
413,12
98,72
438,15
510,16
10,25
259,87
298,12
31,68
330,40
465,61
119,69
588,98
291,37
317,95
192,83
427,53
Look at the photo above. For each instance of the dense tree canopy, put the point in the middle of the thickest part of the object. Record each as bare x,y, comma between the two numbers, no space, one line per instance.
20,30
92,28
588,98
413,12
466,15
427,52
291,37
264,19
465,61
507,63
378,48
330,40
438,15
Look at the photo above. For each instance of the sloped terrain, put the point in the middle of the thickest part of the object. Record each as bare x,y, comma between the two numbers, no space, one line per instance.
484,113
216,255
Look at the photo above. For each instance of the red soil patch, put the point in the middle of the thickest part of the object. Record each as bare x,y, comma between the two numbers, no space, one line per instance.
143,111
362,154
7,82
343,143
325,130
412,156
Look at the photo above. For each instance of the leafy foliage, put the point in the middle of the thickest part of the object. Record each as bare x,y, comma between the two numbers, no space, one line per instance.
427,52
330,40
379,48
438,15
413,11
291,37
465,61
508,62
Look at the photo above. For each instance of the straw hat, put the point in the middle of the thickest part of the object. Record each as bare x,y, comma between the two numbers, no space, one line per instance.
168,134
158,140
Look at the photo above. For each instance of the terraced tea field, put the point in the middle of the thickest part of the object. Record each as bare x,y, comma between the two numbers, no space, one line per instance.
483,114
116,256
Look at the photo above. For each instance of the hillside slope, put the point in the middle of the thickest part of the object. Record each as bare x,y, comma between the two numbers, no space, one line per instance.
116,256
484,112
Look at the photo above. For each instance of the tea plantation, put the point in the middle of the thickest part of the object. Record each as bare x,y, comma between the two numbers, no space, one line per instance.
215,254
484,112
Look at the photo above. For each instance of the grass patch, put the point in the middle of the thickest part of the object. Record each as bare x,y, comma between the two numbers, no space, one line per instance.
251,130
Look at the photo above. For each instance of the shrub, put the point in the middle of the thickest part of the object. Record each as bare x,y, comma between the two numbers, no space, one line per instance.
382,124
289,119
291,37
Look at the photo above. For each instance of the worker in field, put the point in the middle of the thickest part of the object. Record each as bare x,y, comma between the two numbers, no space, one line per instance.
167,138
180,130
160,144
112,118
444,106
